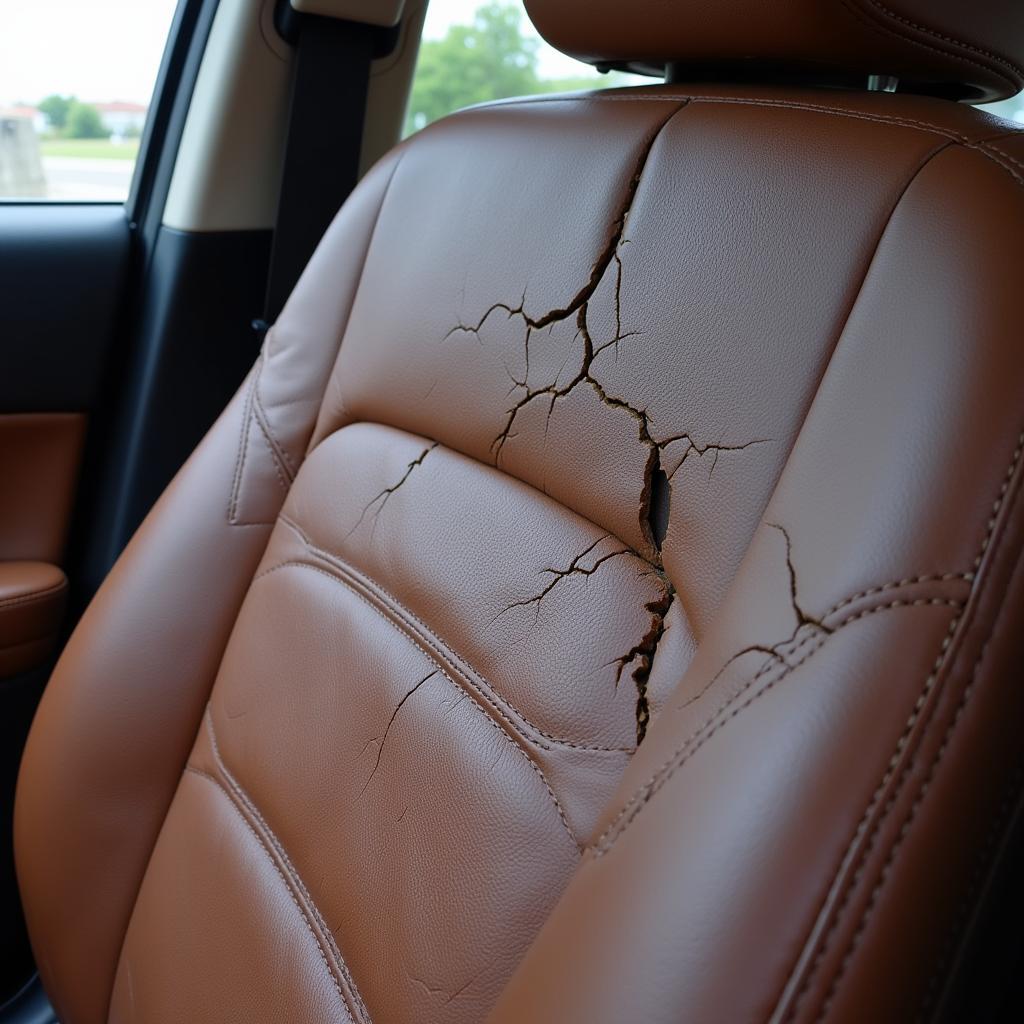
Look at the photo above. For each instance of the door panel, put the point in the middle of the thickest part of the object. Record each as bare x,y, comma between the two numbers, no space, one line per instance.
40,455
62,267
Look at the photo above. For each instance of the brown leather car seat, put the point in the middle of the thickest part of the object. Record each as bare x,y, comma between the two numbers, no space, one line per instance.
602,601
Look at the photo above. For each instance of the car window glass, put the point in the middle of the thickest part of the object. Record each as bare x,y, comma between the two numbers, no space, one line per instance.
76,79
474,51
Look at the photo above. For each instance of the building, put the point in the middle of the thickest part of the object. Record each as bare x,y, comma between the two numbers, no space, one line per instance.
122,119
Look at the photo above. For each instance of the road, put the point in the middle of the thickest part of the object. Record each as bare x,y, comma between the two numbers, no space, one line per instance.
75,178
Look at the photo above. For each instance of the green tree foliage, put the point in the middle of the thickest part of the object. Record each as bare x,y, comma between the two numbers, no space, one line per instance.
55,109
488,60
84,122
473,63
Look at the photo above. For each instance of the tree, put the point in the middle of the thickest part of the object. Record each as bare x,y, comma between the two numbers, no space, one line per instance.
84,122
55,109
474,63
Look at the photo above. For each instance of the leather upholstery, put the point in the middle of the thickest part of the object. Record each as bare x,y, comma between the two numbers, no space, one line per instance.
974,49
32,596
597,605
39,461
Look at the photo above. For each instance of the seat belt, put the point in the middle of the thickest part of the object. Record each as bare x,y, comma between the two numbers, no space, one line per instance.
331,73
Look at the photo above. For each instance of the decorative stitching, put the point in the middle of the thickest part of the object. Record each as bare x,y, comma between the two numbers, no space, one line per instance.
290,867
243,443
443,670
282,469
717,719
441,649
858,115
259,839
862,824
900,837
822,943
960,44
276,446
945,577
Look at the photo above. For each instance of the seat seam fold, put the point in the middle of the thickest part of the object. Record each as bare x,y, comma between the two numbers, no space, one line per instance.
271,835
443,670
490,693
288,887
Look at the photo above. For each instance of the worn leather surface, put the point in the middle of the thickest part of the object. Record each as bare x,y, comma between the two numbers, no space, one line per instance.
40,455
597,605
32,596
975,49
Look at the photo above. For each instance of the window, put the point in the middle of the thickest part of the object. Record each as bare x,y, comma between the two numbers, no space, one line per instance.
76,78
1010,109
473,51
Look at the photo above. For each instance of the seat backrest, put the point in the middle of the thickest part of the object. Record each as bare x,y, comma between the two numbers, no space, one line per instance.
599,602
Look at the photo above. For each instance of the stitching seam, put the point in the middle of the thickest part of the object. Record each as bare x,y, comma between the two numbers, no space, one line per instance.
243,444
309,926
822,942
442,667
289,866
901,836
501,704
881,11
726,711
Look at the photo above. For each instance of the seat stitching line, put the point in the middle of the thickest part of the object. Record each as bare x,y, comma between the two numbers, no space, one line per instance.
960,44
243,443
281,459
822,943
945,577
289,866
893,850
498,700
901,836
309,927
1000,157
715,721
441,667
904,122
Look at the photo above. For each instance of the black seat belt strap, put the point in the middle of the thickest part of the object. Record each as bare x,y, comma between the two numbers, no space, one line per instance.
325,130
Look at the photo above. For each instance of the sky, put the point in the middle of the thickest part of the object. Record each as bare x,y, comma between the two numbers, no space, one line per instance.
102,50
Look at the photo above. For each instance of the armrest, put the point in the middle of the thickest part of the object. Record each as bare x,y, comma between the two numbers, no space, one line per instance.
32,596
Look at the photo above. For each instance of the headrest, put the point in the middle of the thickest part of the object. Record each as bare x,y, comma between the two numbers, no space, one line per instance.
965,49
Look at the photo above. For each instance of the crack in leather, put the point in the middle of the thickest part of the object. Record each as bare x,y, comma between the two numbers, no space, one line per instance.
408,623
574,569
777,651
643,655
384,495
728,710
387,728
578,306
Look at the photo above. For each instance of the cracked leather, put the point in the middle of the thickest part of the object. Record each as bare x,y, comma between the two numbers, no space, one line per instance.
403,617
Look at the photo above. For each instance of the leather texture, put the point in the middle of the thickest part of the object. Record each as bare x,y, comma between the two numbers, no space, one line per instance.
946,43
40,454
598,604
32,598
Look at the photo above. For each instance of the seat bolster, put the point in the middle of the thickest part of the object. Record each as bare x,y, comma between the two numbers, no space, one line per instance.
121,711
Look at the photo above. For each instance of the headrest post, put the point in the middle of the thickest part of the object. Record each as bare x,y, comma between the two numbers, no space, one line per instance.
882,83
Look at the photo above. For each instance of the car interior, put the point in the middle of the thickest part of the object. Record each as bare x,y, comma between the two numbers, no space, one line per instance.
513,513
